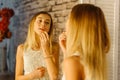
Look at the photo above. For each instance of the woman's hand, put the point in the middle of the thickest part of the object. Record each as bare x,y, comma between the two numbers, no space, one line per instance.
45,43
49,58
38,73
62,41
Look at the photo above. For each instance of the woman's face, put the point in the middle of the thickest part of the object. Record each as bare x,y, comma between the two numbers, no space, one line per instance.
42,23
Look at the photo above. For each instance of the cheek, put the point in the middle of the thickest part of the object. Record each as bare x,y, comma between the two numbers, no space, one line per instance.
47,28
35,28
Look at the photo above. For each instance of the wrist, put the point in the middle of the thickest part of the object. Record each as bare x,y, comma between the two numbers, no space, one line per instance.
46,53
32,76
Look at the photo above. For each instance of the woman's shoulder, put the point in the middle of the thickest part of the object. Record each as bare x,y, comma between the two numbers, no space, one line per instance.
71,61
20,46
19,54
69,65
20,49
73,64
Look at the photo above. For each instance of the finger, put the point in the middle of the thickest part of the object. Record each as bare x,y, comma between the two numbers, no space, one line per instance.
44,38
62,37
40,37
47,36
41,68
42,74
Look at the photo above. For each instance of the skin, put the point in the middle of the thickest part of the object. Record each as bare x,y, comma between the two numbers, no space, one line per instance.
62,41
86,27
37,73
71,66
42,24
41,28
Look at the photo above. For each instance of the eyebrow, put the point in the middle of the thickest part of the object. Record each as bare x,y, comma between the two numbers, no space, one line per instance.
41,18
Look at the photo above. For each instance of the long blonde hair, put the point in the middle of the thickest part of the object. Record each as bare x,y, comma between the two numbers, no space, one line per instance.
32,40
87,33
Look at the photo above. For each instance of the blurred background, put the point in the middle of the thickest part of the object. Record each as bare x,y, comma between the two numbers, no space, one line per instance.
21,11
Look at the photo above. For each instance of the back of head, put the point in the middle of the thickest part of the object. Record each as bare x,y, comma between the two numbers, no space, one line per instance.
87,32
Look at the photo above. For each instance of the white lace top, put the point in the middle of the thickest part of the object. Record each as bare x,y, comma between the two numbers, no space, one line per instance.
32,60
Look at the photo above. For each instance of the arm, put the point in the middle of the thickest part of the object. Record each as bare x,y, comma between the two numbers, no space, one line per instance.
53,62
19,75
71,69
56,54
62,42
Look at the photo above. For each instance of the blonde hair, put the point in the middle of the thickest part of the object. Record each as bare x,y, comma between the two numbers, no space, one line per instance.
32,40
87,33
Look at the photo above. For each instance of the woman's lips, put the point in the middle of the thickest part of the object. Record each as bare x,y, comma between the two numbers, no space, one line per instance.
41,29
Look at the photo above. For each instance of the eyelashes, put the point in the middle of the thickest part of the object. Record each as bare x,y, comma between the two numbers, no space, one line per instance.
45,22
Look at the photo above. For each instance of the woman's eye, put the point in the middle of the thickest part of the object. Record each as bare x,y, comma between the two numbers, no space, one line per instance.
40,21
47,23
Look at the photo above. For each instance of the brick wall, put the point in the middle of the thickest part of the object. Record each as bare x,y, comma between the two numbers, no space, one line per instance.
59,9
119,46
25,9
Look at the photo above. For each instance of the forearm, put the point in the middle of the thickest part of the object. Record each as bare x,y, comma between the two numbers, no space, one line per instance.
51,62
51,68
63,49
24,77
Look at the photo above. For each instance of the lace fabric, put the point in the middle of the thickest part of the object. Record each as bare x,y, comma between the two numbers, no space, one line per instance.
32,60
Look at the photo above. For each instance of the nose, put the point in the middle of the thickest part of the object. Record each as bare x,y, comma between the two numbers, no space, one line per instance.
43,23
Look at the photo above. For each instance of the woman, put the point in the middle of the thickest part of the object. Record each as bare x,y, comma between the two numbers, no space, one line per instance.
85,43
35,59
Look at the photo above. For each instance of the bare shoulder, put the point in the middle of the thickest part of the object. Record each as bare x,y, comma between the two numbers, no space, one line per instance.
20,46
20,50
71,67
72,62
